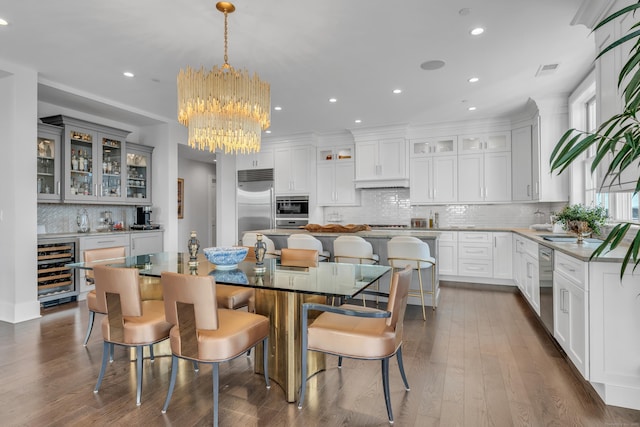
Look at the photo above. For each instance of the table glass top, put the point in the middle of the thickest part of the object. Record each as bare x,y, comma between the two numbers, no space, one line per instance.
329,278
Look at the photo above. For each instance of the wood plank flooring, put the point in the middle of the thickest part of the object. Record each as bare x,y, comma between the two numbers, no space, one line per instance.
481,359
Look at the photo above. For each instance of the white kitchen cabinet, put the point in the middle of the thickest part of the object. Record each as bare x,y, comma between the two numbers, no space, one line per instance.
488,142
475,254
147,242
502,255
434,146
570,309
525,270
521,164
484,177
335,175
381,161
448,253
260,160
434,179
293,171
614,328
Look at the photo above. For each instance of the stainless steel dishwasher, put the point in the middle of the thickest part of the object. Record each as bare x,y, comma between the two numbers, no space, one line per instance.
545,271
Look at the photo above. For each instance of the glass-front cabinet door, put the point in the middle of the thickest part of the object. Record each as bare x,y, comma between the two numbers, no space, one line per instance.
49,155
112,155
79,168
139,173
93,160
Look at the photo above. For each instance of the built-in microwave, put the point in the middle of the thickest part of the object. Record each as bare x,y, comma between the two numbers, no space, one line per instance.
292,211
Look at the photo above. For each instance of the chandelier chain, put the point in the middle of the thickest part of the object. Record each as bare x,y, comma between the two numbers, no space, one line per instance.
226,33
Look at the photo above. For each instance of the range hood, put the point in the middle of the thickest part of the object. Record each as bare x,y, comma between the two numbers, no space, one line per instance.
387,183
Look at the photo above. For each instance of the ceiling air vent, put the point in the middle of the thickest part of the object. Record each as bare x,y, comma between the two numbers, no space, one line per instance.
545,70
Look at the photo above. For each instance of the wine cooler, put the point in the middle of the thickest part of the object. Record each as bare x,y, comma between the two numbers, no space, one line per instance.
56,283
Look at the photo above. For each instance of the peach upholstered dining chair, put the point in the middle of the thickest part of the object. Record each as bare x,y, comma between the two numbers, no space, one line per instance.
202,333
91,255
129,321
360,333
299,257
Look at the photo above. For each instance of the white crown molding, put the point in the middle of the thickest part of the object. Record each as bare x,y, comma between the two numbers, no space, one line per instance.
591,12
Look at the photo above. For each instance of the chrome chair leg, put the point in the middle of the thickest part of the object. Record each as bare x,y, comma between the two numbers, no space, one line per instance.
385,386
172,383
139,365
92,316
106,347
401,366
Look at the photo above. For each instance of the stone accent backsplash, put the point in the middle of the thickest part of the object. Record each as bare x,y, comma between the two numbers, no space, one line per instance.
61,218
392,207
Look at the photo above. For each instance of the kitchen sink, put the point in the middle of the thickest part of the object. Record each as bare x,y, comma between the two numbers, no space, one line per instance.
563,238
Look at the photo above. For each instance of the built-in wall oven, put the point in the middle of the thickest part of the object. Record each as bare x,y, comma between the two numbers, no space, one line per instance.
292,211
545,272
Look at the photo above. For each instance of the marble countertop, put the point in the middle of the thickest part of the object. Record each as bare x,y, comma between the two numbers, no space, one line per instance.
72,234
580,251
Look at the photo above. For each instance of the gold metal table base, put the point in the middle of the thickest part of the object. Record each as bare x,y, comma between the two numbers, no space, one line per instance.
284,310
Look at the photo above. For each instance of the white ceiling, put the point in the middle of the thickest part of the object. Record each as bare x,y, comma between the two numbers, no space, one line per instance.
355,50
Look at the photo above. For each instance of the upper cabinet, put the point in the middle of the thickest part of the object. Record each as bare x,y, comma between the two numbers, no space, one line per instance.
293,171
382,163
433,167
484,168
49,154
335,174
260,160
96,165
522,185
139,173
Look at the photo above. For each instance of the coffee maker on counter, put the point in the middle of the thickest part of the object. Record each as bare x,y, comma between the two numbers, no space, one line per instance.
143,219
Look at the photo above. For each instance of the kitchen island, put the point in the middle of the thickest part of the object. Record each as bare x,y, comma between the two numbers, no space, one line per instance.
378,237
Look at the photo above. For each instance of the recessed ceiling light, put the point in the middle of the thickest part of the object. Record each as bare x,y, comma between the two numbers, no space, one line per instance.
3,22
477,31
396,91
471,108
358,121
432,65
333,100
473,80
128,74
267,131
277,108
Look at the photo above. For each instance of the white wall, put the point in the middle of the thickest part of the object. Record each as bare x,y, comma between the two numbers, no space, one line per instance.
18,201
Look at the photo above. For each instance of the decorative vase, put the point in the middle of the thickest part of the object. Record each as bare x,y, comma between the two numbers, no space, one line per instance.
193,244
261,249
581,229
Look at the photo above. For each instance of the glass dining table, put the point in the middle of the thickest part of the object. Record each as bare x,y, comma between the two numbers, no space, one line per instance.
280,292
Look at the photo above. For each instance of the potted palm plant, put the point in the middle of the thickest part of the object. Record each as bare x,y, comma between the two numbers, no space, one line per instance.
617,138
582,220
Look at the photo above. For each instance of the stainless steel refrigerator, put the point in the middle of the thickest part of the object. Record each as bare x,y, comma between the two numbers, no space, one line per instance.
256,200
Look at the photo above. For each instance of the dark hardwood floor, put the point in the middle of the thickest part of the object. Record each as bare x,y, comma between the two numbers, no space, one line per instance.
481,359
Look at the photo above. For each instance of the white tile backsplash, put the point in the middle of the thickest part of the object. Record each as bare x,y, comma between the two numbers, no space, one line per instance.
392,206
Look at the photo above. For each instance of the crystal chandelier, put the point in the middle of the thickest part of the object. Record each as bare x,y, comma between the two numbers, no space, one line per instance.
224,108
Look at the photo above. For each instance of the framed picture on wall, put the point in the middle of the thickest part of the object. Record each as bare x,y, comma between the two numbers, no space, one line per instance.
180,198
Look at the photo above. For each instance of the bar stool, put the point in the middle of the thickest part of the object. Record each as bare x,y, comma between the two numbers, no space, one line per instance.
355,250
299,257
307,241
407,250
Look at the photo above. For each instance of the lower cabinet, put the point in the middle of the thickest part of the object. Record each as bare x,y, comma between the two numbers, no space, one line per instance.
475,254
525,270
148,242
448,253
570,309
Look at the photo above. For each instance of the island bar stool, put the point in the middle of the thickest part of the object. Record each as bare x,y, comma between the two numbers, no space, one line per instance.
307,241
202,333
91,255
129,321
354,250
408,250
